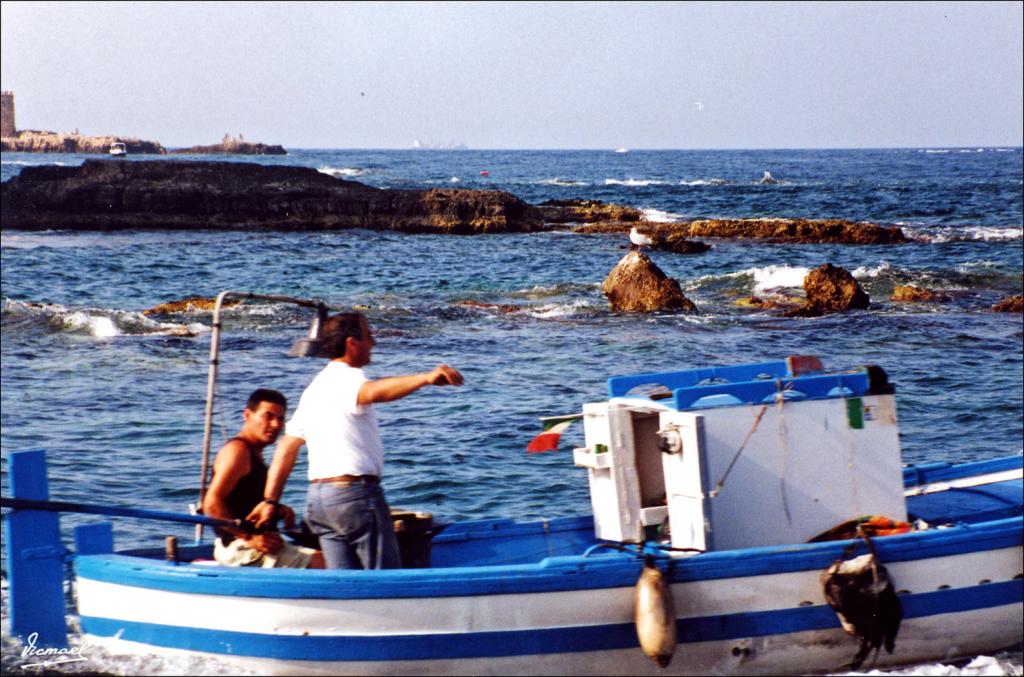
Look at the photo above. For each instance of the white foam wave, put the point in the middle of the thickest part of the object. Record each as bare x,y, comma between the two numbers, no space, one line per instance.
562,182
97,322
883,268
659,216
704,182
635,182
935,151
557,310
777,277
26,163
964,233
341,171
454,179
973,266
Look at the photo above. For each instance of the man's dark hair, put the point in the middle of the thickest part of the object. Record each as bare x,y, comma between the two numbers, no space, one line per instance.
265,395
337,329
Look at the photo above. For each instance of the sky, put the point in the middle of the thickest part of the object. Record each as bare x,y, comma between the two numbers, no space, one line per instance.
690,75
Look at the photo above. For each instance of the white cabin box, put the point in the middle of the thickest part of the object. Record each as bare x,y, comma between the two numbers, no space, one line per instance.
734,464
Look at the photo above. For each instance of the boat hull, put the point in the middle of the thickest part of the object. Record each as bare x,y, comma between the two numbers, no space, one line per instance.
789,653
753,611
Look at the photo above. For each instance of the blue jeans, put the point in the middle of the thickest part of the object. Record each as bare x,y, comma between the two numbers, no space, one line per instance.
353,523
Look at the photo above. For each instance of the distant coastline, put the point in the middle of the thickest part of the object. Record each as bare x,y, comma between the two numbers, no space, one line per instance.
35,141
13,140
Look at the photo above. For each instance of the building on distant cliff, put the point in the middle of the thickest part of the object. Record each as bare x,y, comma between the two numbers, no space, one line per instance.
7,128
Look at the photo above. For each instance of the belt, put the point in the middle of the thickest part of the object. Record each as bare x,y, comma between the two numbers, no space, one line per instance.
348,479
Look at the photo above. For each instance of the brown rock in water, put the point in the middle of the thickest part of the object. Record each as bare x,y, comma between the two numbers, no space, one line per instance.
830,289
759,303
912,294
796,230
636,284
675,242
189,305
1011,304
587,211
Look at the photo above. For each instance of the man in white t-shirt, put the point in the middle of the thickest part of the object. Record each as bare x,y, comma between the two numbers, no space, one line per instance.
345,506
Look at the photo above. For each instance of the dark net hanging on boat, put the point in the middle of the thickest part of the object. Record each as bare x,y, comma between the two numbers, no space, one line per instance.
861,593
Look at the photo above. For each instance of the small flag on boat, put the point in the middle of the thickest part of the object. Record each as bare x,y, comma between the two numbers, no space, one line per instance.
554,426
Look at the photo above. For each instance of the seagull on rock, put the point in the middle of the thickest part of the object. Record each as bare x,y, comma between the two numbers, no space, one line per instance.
639,239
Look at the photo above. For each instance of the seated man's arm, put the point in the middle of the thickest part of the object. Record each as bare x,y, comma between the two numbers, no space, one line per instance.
231,465
280,468
396,387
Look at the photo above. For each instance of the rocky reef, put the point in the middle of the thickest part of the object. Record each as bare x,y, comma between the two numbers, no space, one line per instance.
29,141
114,195
232,147
611,217
1010,304
797,230
836,231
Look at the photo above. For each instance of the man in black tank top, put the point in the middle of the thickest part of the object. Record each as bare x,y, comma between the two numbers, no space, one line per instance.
239,476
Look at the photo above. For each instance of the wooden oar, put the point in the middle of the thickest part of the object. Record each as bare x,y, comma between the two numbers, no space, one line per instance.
117,511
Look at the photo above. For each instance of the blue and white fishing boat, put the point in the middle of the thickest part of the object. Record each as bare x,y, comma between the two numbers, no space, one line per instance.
714,494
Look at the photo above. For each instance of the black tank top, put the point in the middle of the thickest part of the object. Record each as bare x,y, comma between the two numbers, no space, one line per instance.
248,493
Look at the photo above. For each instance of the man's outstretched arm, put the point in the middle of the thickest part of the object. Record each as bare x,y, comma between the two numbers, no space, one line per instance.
396,387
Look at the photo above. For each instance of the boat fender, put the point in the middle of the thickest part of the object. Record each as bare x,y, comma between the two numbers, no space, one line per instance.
655,614
862,595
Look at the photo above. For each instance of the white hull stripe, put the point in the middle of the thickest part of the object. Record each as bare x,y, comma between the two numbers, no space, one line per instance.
481,613
537,640
553,574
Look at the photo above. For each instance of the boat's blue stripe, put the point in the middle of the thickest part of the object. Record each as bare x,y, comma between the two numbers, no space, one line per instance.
552,574
532,641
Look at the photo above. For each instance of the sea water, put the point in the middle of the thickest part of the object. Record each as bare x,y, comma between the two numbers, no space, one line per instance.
116,396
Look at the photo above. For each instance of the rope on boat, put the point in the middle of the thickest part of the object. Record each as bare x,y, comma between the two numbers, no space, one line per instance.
780,401
721,483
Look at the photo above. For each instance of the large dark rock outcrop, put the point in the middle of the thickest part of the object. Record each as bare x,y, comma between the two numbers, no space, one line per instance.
636,284
119,194
830,289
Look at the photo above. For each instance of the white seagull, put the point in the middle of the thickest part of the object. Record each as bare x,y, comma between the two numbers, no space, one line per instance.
699,105
639,239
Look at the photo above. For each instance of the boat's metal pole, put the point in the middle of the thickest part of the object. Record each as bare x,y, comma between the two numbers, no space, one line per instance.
211,382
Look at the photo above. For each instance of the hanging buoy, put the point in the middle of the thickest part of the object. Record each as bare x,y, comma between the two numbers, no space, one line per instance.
484,172
655,615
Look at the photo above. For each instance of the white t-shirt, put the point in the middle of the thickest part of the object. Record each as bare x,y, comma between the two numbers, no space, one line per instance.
341,435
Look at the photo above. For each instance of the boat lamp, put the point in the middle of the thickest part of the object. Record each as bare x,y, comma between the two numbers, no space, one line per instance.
311,345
